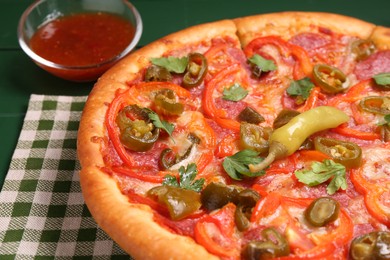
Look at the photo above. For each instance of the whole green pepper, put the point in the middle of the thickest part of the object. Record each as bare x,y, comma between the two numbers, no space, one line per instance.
285,140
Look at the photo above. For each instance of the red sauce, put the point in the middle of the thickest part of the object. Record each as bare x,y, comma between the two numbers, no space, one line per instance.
82,39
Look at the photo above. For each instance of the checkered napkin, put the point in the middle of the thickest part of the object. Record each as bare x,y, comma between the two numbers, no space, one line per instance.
42,211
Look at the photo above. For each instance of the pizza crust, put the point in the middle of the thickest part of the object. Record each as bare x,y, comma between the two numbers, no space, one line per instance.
288,24
132,225
381,37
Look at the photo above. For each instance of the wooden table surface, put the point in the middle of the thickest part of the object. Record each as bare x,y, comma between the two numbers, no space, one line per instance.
20,77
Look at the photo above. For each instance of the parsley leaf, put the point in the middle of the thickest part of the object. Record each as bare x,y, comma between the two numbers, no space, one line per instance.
321,172
387,120
300,88
237,164
234,93
382,79
157,122
186,179
264,64
172,64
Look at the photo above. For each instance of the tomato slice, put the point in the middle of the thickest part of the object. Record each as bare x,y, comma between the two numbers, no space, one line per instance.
216,233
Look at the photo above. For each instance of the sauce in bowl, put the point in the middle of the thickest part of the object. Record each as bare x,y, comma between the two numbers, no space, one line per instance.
83,39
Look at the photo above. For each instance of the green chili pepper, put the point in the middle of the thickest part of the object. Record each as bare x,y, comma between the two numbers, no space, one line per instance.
180,202
285,140
166,102
376,104
284,117
137,133
196,70
322,211
361,49
254,137
157,73
329,79
246,200
374,245
216,195
250,115
347,153
274,245
384,131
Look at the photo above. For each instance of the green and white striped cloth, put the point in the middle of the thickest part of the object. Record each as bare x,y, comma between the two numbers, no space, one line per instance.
42,211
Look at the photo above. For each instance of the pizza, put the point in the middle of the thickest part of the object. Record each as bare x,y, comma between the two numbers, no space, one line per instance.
252,138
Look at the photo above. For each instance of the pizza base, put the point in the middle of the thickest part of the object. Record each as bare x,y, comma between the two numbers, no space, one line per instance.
132,225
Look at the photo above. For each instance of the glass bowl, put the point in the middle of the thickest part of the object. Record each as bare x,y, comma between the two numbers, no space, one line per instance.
42,12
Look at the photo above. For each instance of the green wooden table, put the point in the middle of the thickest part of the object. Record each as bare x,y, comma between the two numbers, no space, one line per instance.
20,77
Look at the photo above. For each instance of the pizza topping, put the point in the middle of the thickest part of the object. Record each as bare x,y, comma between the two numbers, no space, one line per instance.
329,79
180,202
287,139
300,89
362,48
246,201
255,137
196,70
260,64
273,245
137,133
234,93
376,104
166,102
251,116
347,153
384,128
382,80
238,164
378,62
158,123
284,117
374,245
172,64
216,195
186,179
157,73
322,211
322,172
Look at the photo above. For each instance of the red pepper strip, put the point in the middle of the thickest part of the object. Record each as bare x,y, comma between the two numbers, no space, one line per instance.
312,155
222,243
354,93
218,58
228,123
140,174
253,46
372,194
147,87
136,198
227,146
203,161
210,87
305,67
343,129
312,101
266,206
260,190
113,131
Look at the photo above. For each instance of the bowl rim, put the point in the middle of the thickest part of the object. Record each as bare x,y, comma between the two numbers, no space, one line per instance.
26,48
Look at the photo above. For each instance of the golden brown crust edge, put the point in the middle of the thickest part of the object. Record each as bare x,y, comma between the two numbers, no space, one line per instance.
287,24
381,37
132,226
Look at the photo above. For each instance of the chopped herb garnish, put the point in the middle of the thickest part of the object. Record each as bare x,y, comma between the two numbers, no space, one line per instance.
186,179
172,64
237,165
300,89
382,79
234,93
157,122
321,172
264,64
